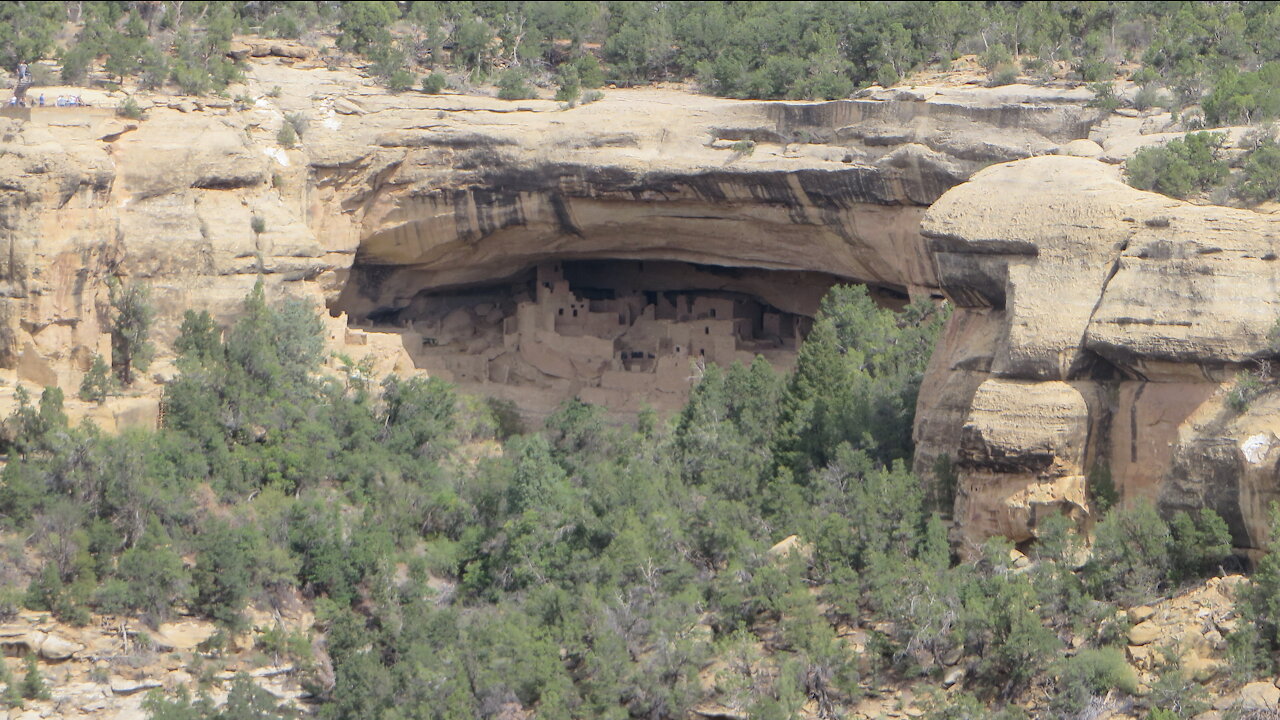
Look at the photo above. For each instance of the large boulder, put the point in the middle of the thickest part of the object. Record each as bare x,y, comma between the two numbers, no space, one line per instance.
1146,305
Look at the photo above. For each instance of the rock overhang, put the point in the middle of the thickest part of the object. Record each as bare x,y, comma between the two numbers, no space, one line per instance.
1149,307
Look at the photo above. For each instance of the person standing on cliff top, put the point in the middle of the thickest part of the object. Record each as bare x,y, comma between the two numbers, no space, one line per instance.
24,81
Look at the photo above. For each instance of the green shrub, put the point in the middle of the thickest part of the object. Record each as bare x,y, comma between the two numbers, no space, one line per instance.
995,56
1244,97
33,685
129,108
298,121
1091,673
275,91
401,81
1004,74
131,316
258,224
281,644
75,63
434,83
1248,387
1104,96
570,85
1180,168
287,136
512,85
590,74
112,597
1174,692
1261,173
154,579
1095,70
1249,653
11,696
1130,554
1037,66
1101,489
1198,546
1251,647
224,573
743,148
47,591
282,24
592,96
1150,96
98,382
191,78
10,602
1001,620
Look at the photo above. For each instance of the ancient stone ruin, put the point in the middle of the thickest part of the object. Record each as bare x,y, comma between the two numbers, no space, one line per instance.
620,333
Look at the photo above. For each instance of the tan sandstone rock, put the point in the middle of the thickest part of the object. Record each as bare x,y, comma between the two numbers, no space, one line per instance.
1144,633
55,647
1148,305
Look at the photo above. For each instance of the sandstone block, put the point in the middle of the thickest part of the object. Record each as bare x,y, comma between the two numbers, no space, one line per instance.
125,686
184,634
1008,504
1200,669
1081,148
1048,229
57,648
1026,427
1140,613
1145,633
1259,696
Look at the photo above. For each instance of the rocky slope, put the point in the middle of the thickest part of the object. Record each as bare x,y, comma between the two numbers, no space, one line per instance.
107,669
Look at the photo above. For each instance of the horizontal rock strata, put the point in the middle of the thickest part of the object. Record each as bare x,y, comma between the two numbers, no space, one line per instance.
1115,324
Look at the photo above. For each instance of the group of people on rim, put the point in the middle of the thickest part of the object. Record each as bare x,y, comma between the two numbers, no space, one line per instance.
24,82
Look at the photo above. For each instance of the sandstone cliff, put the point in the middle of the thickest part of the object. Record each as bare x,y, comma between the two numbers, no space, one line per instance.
1098,326
388,197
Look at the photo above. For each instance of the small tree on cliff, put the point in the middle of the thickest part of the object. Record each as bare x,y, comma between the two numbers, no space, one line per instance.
131,316
98,382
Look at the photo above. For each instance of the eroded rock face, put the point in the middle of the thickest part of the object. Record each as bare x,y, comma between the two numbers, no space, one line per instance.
1116,322
391,196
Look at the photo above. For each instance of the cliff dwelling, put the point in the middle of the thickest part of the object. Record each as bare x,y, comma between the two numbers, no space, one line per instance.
619,333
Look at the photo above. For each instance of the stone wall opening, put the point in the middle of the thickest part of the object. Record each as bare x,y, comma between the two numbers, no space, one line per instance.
624,334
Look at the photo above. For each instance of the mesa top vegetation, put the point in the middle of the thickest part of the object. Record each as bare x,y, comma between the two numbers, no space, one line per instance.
748,50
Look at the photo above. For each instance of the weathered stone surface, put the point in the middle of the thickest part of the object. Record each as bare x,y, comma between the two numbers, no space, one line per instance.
1038,238
1218,310
390,195
1153,304
55,647
125,686
1140,613
1026,426
1081,148
1258,696
1010,505
184,634
1144,633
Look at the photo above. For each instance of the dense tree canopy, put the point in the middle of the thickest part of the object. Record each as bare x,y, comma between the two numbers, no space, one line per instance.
587,570
805,49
